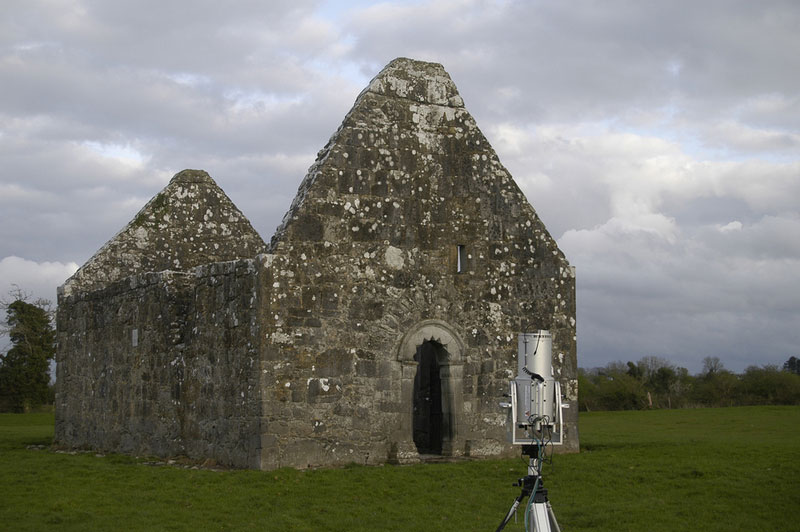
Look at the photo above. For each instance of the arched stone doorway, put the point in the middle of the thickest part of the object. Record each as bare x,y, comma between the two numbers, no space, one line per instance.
431,355
428,418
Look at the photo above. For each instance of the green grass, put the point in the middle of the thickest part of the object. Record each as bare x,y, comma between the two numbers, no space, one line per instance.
706,469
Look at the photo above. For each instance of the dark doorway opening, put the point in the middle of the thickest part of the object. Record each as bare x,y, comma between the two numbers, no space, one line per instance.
428,412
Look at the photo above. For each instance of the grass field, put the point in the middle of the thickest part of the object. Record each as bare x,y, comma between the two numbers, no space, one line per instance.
707,469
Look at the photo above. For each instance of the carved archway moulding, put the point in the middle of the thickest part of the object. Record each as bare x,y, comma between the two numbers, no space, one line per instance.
434,330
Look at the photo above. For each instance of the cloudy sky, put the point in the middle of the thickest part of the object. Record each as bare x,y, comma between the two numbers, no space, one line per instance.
659,141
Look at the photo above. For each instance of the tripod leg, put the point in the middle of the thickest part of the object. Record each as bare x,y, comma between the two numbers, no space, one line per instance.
541,517
553,523
510,513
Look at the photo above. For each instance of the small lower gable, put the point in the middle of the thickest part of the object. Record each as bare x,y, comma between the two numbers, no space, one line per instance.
189,223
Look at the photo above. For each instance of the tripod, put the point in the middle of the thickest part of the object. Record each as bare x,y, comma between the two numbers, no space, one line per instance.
538,508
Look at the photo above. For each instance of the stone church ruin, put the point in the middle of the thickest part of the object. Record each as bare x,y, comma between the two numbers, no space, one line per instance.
379,324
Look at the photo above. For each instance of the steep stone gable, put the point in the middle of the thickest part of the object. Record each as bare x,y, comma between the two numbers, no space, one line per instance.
407,227
409,165
189,223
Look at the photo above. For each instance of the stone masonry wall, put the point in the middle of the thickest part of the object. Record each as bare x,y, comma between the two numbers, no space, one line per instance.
163,364
367,258
222,398
117,381
336,384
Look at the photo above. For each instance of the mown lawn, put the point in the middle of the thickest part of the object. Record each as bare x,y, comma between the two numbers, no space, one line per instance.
707,469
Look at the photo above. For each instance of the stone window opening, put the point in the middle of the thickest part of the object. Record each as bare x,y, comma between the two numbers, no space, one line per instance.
461,258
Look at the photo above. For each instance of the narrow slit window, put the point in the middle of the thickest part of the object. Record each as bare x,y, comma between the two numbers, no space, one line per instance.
461,258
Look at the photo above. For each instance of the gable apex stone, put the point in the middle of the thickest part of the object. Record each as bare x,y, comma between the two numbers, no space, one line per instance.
419,81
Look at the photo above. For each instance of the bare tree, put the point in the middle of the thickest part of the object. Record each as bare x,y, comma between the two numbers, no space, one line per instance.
649,366
712,366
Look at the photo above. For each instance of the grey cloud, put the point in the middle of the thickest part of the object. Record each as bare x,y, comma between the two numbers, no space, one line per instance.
640,296
769,238
591,61
199,37
642,133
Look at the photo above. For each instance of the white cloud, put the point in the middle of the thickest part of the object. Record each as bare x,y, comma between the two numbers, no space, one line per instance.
735,225
125,154
738,138
40,279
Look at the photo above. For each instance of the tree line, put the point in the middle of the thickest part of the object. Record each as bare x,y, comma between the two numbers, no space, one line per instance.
653,382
